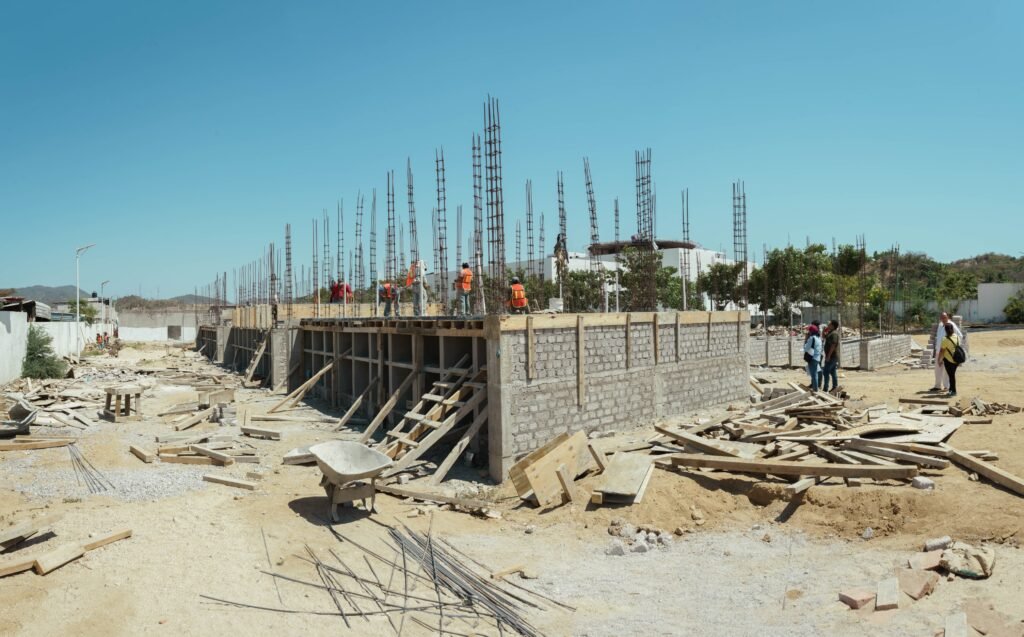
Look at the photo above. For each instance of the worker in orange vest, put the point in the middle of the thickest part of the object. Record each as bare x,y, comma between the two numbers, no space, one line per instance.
517,301
388,293
464,285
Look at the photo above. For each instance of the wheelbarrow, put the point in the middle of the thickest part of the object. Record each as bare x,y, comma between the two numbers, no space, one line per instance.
347,466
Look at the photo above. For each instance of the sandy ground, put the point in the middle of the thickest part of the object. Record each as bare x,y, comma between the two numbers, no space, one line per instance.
760,565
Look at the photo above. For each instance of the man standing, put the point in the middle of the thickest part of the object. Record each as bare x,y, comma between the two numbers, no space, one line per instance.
517,301
385,294
464,285
941,377
832,341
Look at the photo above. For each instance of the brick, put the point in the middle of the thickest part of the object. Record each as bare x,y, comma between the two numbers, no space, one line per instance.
926,561
856,597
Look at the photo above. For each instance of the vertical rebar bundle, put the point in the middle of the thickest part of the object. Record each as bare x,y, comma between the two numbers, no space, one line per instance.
315,274
495,204
561,210
543,249
592,207
685,264
341,241
390,255
519,244
442,227
359,273
645,299
436,242
289,283
458,236
531,267
739,234
478,209
401,251
373,241
414,242
616,220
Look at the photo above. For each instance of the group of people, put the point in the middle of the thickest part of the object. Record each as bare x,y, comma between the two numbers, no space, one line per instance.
822,347
102,340
389,294
821,353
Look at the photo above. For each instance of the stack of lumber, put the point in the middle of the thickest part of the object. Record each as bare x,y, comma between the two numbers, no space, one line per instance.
51,555
204,448
979,407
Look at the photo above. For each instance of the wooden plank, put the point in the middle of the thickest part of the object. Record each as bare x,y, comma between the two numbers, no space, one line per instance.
221,458
231,482
991,472
581,357
29,445
16,565
531,350
565,480
142,454
656,340
703,444
507,571
927,450
58,557
460,446
599,457
187,459
388,406
517,472
195,420
13,535
643,486
257,432
925,401
437,433
403,492
107,538
925,461
625,474
784,468
254,363
356,403
629,339
800,486
301,390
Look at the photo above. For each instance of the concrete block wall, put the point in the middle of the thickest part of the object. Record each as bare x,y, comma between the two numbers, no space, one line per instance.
782,350
877,352
624,386
13,344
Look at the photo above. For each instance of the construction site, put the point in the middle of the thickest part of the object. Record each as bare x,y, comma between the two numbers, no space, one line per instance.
515,440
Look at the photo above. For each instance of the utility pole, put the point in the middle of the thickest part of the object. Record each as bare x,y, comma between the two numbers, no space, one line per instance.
78,300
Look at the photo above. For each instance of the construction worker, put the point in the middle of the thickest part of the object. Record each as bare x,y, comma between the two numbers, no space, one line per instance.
517,301
464,285
386,293
416,282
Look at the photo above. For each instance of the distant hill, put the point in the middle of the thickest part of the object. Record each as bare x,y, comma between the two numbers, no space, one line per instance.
992,268
48,294
133,302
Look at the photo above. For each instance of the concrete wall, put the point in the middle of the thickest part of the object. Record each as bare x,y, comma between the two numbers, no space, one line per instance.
13,341
625,384
63,334
876,352
785,351
150,334
993,297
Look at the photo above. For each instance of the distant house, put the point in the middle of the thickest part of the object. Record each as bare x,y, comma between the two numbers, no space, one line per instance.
37,311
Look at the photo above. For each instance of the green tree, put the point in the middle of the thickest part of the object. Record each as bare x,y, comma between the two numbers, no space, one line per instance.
957,286
1014,310
791,275
40,360
88,311
639,279
721,283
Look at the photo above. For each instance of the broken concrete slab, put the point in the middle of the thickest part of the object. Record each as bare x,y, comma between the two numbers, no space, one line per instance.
917,583
926,561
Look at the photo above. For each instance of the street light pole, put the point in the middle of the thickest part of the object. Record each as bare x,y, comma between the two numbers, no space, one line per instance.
102,304
78,300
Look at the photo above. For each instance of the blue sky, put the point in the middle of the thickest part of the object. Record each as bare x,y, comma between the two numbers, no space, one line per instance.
181,137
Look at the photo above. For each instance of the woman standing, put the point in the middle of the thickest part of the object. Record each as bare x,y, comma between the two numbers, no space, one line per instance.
949,345
812,354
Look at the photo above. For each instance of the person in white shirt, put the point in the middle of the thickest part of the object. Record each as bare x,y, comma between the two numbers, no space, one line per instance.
941,378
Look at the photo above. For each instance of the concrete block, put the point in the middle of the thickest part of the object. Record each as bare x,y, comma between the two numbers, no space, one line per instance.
887,595
939,543
921,482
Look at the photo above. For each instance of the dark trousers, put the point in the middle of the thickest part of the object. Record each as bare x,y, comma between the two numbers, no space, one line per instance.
831,371
951,372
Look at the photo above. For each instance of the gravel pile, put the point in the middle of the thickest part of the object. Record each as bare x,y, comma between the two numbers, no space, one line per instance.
130,485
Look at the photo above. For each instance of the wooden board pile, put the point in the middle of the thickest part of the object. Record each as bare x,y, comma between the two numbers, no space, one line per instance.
979,407
803,437
213,448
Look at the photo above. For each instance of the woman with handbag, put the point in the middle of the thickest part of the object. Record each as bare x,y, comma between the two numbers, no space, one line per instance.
952,355
812,354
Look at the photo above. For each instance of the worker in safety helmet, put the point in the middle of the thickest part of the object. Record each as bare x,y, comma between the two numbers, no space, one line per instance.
517,301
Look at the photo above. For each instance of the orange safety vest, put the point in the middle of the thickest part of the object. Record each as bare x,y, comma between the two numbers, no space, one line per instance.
467,279
386,294
411,276
518,295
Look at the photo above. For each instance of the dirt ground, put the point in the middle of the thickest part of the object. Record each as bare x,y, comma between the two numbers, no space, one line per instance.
758,564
